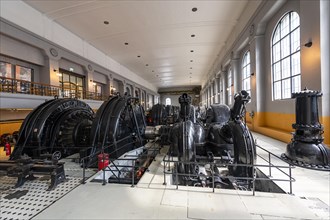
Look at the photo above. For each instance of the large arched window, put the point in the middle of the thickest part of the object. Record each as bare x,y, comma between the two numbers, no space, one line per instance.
285,45
229,86
168,101
246,72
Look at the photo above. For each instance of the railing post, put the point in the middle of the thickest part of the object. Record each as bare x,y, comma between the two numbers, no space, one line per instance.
103,176
164,183
83,163
254,180
269,163
212,170
290,179
176,175
133,172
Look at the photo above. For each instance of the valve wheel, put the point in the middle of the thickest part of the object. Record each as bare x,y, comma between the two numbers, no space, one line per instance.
56,155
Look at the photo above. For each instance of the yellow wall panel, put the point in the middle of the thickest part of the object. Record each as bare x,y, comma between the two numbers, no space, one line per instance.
280,121
325,121
9,127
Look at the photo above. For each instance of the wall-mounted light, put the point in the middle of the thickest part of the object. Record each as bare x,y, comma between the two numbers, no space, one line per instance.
252,74
308,44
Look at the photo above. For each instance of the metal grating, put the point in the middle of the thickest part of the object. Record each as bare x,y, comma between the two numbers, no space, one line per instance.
36,199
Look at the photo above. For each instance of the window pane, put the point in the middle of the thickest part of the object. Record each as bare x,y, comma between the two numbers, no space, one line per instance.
246,84
73,79
286,89
286,68
295,40
276,52
23,73
5,70
277,90
277,71
276,36
79,81
248,70
98,89
66,77
294,20
285,26
296,85
167,101
295,62
285,47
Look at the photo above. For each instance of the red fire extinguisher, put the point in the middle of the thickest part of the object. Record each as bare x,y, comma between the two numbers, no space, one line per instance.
8,149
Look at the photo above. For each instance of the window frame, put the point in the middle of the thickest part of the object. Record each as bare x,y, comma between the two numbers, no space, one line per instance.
246,66
278,63
168,99
229,86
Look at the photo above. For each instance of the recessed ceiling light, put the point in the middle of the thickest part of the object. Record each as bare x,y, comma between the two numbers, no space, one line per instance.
106,22
153,71
191,68
194,9
139,56
191,60
190,73
193,35
147,64
126,43
190,77
157,75
192,51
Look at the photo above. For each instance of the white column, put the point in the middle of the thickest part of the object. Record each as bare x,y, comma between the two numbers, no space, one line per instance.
236,76
225,85
325,55
216,90
260,73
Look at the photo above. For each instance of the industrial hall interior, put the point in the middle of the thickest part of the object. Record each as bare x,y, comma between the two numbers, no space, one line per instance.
158,109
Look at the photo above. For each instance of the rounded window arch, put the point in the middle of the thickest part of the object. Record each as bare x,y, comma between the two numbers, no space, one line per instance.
168,101
285,47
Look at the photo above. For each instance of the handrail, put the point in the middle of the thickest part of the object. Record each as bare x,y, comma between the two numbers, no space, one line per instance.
253,178
108,168
10,85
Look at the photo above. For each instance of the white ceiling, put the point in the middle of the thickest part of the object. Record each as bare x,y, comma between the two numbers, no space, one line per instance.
158,31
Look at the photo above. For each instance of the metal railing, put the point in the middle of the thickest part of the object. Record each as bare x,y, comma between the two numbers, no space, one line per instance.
116,167
173,160
271,165
10,85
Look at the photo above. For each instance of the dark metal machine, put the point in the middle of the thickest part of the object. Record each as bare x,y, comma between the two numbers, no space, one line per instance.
307,148
158,115
55,128
118,127
186,135
225,140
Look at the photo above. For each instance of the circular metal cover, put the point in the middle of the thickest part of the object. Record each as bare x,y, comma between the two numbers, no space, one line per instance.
53,52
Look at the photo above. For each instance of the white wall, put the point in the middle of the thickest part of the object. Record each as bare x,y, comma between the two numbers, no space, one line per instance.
30,19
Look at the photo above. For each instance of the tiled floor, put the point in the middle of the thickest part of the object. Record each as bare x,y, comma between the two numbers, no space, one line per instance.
150,199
